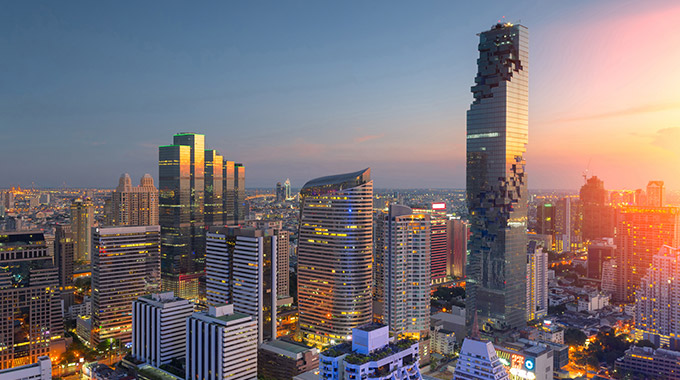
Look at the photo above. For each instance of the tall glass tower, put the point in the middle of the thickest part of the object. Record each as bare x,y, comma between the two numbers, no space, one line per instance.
497,135
181,210
335,256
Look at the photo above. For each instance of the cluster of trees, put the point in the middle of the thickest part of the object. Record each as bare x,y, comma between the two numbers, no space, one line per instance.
445,297
606,347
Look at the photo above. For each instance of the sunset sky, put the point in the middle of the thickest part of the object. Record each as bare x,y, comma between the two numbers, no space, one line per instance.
305,89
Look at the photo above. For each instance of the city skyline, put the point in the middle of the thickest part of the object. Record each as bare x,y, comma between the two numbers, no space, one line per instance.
90,102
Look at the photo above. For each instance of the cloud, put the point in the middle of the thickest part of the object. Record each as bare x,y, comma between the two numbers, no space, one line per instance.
363,139
637,110
668,138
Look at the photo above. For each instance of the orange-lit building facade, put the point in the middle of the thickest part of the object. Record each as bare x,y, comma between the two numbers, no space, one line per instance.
30,307
640,233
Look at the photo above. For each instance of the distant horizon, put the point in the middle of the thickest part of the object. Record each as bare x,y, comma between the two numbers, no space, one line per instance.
272,188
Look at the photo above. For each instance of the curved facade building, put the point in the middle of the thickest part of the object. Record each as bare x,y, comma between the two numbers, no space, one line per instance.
335,256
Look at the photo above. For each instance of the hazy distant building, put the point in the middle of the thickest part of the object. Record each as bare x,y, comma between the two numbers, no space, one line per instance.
7,199
280,192
82,220
221,344
497,135
134,206
406,259
598,215
159,325
655,194
30,316
641,232
657,316
286,190
125,265
335,256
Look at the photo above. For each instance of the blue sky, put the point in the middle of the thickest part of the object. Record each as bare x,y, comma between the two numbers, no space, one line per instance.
299,89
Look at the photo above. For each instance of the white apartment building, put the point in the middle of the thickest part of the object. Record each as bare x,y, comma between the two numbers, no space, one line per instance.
221,344
241,270
159,327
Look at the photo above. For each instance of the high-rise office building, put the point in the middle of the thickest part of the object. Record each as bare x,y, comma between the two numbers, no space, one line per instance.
134,206
240,193
640,233
598,215
545,219
599,251
655,194
159,325
335,256
406,259
537,282
82,220
458,232
214,188
198,188
181,175
125,265
221,344
30,307
63,254
497,135
241,270
657,315
229,191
